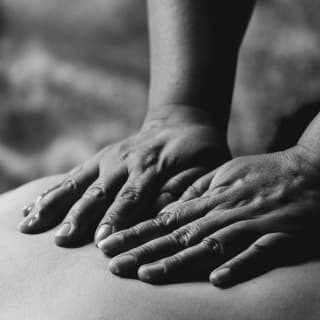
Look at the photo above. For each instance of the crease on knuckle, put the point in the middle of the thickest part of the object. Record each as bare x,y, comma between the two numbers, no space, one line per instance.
144,251
260,248
213,244
150,160
184,237
95,192
194,190
131,194
113,218
169,194
166,221
133,233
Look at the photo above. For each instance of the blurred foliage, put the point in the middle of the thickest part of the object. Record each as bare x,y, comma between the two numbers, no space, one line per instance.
74,73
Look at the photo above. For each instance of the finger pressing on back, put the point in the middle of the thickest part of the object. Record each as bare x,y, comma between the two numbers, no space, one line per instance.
264,254
198,260
84,216
53,204
171,218
132,203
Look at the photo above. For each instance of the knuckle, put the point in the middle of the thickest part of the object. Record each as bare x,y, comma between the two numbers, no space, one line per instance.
113,218
194,190
266,243
166,221
259,247
213,244
124,156
169,194
95,192
144,251
172,261
132,233
184,237
150,159
132,193
70,185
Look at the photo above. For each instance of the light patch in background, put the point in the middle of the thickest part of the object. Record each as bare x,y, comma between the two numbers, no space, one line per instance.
74,73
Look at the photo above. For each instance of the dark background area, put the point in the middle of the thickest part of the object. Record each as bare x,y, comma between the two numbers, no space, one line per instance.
74,73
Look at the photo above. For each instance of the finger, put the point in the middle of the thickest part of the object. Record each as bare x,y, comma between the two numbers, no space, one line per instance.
175,186
132,202
164,246
265,253
171,218
199,187
205,223
27,209
84,216
200,259
53,204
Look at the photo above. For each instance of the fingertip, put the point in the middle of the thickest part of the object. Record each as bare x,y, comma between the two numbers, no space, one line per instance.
62,235
104,231
29,225
151,273
122,265
111,245
221,277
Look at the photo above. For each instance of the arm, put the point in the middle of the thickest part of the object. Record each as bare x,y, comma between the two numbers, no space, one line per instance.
194,51
309,142
194,48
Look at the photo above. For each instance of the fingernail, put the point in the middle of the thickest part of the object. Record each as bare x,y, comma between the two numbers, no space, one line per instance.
32,221
122,264
220,277
26,210
151,272
103,232
65,230
112,244
25,224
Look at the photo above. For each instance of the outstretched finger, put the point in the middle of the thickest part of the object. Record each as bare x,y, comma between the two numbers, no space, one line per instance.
53,204
200,259
267,252
171,218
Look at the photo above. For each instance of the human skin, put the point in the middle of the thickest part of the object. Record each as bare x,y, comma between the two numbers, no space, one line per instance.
42,281
194,50
251,214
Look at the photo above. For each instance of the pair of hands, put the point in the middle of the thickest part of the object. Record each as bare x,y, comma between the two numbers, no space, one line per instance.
235,221
131,180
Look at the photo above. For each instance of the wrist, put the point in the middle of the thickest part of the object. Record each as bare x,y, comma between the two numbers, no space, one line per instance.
304,159
184,115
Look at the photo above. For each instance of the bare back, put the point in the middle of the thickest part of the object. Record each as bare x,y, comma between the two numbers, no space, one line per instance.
41,281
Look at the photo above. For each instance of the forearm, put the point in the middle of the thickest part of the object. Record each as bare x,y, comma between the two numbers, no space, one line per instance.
194,50
310,141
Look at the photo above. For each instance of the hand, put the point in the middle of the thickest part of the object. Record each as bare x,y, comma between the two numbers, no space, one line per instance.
250,214
127,180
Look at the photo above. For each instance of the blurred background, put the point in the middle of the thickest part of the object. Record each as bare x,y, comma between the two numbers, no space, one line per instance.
74,76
